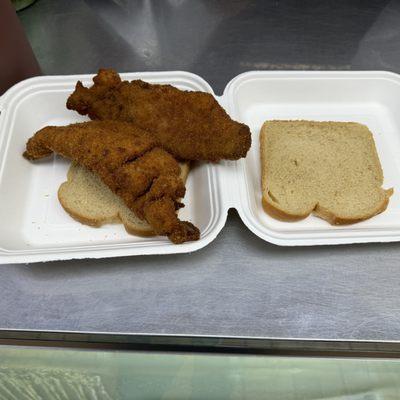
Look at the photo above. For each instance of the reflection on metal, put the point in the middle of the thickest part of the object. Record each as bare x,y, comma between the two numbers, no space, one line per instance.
162,33
21,4
294,67
203,344
176,3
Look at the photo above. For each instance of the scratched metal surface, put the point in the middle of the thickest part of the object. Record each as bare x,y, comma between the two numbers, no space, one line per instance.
238,285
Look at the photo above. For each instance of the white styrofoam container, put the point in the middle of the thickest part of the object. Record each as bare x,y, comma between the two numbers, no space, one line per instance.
34,227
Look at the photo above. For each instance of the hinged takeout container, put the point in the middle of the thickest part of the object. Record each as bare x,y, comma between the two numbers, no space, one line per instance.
34,227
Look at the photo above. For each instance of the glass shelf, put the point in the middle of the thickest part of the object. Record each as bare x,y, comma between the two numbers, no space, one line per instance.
106,374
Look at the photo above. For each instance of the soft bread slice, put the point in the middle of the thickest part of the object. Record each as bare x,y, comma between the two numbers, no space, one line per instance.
88,200
330,169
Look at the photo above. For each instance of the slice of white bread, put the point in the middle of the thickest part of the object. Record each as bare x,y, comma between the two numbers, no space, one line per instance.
88,200
330,169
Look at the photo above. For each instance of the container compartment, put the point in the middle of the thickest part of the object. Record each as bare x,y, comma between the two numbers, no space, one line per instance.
35,226
371,98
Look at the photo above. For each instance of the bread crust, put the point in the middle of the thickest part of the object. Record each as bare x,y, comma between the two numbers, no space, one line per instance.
338,220
138,230
273,209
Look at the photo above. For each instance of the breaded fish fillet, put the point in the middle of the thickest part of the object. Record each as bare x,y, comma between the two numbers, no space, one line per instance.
190,125
130,163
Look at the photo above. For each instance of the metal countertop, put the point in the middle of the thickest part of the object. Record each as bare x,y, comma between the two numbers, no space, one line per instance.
238,285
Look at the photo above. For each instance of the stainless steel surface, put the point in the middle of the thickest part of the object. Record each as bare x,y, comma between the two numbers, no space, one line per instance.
238,285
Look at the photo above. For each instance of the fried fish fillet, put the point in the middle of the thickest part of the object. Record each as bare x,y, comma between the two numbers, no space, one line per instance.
190,125
130,163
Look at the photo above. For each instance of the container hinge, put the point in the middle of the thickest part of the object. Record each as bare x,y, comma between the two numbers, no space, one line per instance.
227,182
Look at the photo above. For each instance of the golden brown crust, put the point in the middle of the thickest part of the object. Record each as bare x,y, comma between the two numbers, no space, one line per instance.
190,125
139,229
128,161
146,231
